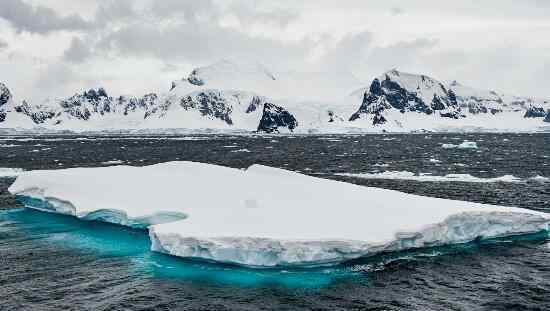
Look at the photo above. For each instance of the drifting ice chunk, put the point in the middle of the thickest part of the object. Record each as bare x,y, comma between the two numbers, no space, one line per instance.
464,145
270,217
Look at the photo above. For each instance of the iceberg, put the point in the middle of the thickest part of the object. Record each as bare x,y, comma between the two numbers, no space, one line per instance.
263,216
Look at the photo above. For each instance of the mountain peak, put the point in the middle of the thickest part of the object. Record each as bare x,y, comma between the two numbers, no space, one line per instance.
393,72
454,83
224,70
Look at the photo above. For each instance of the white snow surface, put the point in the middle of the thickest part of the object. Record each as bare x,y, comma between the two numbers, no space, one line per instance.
265,216
250,76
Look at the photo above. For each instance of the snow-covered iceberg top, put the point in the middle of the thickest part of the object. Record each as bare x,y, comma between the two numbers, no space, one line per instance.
265,216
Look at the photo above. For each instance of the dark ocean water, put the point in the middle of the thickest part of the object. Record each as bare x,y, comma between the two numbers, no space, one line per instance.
51,262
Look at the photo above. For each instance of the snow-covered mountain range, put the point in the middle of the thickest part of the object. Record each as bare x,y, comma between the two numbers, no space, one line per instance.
228,96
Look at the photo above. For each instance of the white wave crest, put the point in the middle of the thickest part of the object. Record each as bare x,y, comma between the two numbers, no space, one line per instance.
405,175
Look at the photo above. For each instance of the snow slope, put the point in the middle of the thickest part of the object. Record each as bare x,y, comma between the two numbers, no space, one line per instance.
298,86
265,216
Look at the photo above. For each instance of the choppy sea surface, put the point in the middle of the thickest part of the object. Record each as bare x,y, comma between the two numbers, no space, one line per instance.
52,262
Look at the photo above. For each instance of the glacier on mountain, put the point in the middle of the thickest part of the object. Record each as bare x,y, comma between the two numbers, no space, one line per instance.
263,216
231,96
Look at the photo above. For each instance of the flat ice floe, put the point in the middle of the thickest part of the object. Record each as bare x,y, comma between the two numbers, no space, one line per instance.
264,217
405,175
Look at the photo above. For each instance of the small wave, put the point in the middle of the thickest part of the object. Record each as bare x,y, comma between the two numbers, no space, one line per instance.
10,172
330,139
405,175
241,150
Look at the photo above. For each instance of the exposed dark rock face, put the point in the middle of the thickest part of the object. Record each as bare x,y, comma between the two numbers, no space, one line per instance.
477,108
388,93
275,117
38,113
5,95
132,104
372,105
210,104
254,104
81,106
195,79
535,112
547,118
452,115
330,116
98,102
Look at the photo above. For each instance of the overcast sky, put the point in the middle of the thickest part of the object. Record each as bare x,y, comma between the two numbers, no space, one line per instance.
53,48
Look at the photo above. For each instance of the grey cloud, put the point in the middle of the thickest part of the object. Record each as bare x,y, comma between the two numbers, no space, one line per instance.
358,54
196,42
54,75
397,11
180,33
502,68
248,14
169,68
177,31
190,10
38,19
114,11
348,52
3,45
401,55
78,51
59,79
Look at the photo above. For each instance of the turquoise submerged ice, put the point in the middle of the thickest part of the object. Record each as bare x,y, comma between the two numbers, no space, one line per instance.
129,250
265,217
113,216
